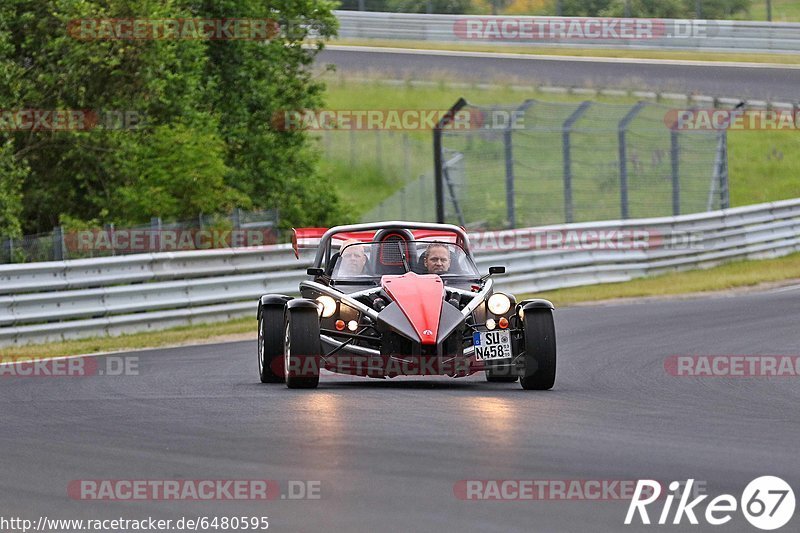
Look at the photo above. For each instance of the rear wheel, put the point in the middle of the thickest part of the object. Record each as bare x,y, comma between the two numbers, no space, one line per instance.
270,345
540,350
301,349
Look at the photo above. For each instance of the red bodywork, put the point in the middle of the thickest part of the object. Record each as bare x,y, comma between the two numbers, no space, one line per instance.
420,298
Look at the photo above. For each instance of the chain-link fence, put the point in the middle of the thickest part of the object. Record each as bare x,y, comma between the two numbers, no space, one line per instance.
238,229
557,162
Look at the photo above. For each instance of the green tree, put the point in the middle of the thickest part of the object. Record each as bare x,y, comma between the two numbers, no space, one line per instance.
205,143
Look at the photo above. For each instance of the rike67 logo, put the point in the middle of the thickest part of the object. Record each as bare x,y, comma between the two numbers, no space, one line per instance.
767,503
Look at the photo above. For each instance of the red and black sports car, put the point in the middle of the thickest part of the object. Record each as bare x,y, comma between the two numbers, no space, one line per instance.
402,298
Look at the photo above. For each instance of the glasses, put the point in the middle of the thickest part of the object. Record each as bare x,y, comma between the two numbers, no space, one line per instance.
438,259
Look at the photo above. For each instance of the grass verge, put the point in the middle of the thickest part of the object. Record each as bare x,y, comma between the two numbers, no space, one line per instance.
764,165
734,57
734,275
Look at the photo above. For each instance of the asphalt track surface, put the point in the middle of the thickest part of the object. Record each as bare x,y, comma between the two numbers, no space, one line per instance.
388,453
776,84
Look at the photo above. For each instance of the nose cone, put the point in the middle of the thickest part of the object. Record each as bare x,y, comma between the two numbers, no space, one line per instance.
420,298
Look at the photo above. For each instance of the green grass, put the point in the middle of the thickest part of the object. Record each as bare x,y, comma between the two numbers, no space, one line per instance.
782,11
729,276
733,56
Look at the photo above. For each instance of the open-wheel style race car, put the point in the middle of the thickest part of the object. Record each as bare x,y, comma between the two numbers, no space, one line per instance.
402,299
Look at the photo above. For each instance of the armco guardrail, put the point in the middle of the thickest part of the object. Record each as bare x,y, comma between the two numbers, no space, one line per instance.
90,297
711,35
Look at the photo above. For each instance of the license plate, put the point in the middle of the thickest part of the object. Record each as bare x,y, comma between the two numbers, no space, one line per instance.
491,345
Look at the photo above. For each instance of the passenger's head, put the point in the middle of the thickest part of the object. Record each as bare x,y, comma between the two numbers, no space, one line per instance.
353,257
437,258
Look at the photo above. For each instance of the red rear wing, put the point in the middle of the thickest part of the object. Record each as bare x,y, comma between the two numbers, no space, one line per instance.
310,237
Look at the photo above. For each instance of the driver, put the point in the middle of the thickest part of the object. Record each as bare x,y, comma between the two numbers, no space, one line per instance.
437,258
353,258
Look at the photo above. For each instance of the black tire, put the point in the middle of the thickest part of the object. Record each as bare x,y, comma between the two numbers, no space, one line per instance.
540,350
270,345
302,349
501,375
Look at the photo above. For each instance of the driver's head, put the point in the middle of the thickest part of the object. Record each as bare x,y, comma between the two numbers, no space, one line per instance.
437,259
353,257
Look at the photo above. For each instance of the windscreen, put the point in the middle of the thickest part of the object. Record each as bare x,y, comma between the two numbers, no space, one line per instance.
373,260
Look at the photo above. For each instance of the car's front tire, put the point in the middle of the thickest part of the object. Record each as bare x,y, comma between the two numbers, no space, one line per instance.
302,348
540,350
270,345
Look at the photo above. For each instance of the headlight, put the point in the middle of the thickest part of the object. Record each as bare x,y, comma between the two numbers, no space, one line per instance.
499,304
328,306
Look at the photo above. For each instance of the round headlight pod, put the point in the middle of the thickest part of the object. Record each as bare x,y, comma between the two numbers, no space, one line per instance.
499,303
352,325
490,323
328,305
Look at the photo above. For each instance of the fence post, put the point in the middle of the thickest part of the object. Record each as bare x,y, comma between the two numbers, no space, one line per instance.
724,191
676,180
437,156
109,229
406,157
509,156
352,148
567,152
378,150
9,249
155,233
58,244
623,158
508,143
236,218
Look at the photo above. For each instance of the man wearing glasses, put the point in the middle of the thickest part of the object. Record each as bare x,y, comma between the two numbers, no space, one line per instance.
437,259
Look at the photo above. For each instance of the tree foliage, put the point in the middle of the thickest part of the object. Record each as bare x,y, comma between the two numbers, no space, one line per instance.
205,142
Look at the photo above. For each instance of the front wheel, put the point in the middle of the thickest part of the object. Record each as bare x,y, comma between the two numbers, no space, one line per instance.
302,349
540,350
270,345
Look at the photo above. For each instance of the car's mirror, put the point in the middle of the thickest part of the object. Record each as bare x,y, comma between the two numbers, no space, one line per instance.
497,270
316,272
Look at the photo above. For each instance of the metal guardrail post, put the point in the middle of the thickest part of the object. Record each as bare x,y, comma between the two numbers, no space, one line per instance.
567,151
623,157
